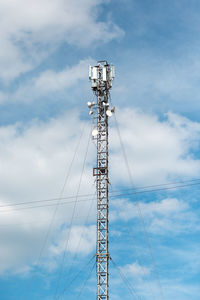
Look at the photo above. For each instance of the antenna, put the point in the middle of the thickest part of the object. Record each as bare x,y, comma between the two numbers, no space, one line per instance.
101,77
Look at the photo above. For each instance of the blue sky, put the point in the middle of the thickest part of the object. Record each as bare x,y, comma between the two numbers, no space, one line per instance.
46,47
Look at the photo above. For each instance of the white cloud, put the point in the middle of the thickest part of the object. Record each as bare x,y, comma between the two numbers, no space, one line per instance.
30,30
34,159
169,216
80,239
156,150
127,210
187,256
135,270
49,81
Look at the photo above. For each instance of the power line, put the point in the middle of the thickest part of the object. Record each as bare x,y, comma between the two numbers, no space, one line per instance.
142,188
161,184
88,199
156,190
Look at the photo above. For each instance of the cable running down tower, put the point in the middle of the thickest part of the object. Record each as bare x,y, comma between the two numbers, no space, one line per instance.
101,77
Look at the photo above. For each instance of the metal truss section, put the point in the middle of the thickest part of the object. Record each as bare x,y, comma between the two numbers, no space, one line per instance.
101,77
102,199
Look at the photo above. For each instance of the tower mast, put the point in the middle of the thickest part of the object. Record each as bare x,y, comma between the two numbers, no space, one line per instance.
101,77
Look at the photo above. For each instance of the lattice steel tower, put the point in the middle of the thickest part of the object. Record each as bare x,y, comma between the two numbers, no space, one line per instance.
101,77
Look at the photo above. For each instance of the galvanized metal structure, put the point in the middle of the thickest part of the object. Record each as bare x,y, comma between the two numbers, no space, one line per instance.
101,77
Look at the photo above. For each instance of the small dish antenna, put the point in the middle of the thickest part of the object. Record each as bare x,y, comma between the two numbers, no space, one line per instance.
94,132
109,113
89,104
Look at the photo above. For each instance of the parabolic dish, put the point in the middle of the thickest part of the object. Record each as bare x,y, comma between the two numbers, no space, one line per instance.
94,132
89,104
109,113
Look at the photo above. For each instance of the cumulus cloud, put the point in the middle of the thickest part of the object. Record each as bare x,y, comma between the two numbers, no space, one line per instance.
128,210
50,82
34,158
165,207
169,216
135,270
157,150
80,239
31,30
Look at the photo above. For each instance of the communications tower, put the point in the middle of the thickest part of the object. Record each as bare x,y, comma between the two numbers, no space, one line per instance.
101,77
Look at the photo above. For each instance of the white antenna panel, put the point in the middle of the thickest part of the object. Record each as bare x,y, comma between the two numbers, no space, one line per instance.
95,73
112,72
94,84
90,72
104,74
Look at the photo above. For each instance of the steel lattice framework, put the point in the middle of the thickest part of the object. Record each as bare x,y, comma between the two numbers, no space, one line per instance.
101,77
